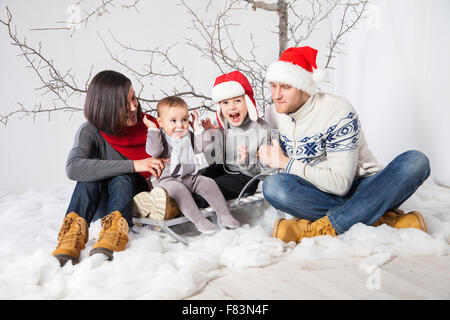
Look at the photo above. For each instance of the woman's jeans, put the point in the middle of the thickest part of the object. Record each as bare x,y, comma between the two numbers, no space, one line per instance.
367,200
94,200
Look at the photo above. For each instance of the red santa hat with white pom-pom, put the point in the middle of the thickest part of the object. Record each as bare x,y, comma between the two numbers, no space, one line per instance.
230,85
295,67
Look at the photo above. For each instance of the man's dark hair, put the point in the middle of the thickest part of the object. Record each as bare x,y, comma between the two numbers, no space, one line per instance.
106,101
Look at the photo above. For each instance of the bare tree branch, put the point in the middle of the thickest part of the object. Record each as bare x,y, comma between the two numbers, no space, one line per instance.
319,12
263,5
282,26
215,43
62,86
80,15
353,11
149,72
218,46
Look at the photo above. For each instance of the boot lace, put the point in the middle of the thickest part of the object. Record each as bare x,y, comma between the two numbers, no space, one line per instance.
318,229
107,221
115,236
73,237
65,227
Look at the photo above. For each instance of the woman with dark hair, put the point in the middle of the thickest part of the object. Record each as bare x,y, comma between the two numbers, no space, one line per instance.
109,163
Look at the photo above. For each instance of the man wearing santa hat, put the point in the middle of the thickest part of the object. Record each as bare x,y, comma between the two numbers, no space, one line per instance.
328,178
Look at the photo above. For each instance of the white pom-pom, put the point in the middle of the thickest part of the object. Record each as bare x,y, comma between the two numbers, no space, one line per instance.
319,75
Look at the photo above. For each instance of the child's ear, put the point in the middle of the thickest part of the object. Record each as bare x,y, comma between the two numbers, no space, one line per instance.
219,106
244,101
159,121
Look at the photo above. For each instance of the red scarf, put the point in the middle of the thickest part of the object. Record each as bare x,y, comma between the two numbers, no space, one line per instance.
131,142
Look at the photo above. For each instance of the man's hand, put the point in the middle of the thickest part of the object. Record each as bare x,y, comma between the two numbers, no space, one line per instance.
152,165
272,155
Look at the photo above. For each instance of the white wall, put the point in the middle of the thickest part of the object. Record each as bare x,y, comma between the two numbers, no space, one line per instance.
397,75
388,74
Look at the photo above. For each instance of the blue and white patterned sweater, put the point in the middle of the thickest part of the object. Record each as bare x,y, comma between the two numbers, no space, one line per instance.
325,143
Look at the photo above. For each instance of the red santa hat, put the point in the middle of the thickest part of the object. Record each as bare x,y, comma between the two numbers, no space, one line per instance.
295,67
230,85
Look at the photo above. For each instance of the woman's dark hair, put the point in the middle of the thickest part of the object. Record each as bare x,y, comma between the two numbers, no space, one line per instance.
106,101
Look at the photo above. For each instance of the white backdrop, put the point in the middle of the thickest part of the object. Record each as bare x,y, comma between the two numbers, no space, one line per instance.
395,73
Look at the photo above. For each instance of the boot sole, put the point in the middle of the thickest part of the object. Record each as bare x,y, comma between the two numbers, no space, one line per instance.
63,258
419,217
208,232
275,227
152,204
227,226
108,253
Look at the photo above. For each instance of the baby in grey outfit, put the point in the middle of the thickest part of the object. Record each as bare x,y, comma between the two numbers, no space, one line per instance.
180,177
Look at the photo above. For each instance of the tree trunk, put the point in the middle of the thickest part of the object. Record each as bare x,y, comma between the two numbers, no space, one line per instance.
283,25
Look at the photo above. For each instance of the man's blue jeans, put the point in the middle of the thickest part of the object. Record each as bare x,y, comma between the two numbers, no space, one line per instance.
93,200
367,200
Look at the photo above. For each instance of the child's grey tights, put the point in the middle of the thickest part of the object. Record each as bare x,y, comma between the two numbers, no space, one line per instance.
181,191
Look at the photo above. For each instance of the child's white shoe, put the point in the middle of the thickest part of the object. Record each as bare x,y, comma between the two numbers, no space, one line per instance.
228,221
207,227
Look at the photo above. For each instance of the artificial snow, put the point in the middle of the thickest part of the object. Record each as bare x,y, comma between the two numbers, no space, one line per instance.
154,266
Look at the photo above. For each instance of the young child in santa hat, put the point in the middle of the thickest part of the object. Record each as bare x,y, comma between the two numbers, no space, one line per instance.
241,132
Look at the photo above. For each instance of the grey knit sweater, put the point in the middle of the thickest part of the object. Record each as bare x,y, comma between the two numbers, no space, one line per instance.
92,158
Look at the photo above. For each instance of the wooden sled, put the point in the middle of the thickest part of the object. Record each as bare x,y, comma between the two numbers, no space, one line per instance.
166,225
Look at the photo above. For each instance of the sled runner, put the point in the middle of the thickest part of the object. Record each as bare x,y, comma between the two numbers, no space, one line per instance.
166,225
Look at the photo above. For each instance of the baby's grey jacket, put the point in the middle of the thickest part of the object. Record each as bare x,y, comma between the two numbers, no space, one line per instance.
158,147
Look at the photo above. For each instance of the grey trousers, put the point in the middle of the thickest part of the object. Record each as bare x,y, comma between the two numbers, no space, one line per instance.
181,191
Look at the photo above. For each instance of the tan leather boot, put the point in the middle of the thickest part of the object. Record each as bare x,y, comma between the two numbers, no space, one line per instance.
288,230
113,235
72,238
399,219
297,229
155,204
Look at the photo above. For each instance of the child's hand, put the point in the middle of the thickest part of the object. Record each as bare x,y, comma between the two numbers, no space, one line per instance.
194,123
149,123
206,124
243,153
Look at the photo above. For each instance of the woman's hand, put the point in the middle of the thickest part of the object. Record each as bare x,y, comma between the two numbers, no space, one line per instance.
243,153
152,165
272,155
149,123
206,124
